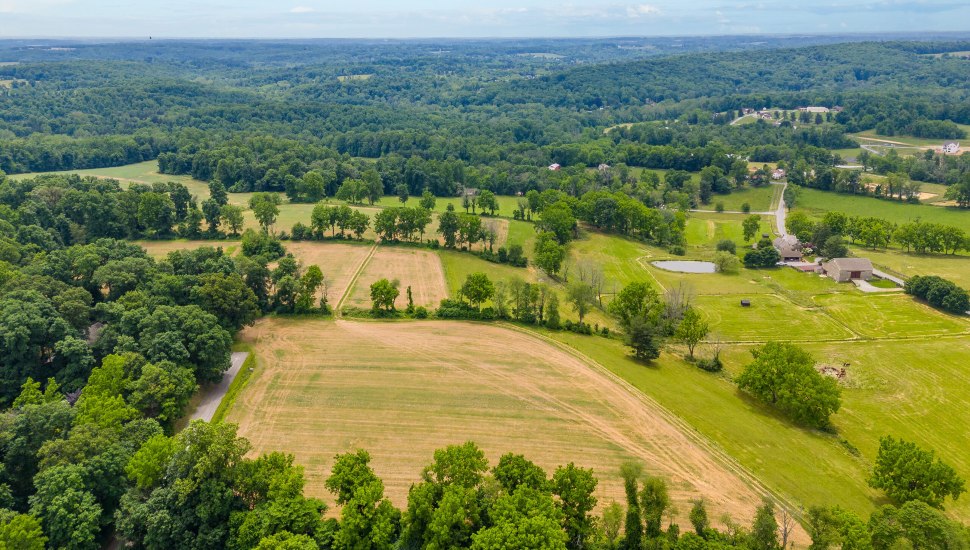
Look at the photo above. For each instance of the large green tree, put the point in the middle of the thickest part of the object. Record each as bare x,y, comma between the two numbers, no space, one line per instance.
906,472
784,376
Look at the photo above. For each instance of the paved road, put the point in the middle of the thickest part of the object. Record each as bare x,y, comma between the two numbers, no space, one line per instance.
213,395
884,275
780,211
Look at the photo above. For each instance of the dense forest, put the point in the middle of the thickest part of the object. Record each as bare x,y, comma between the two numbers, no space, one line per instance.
103,345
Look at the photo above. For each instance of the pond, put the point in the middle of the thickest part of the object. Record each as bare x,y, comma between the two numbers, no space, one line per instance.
685,266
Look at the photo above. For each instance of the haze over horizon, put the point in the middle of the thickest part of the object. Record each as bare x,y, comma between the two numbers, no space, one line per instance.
466,19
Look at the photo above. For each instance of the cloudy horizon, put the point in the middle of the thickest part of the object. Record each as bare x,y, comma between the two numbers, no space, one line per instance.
465,19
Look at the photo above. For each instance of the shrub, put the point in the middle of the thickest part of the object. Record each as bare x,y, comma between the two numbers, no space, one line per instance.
939,293
762,257
420,312
719,207
746,208
727,245
725,262
301,232
677,250
713,364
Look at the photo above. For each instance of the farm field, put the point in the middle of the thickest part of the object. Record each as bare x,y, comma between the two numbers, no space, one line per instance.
339,263
815,202
415,267
402,390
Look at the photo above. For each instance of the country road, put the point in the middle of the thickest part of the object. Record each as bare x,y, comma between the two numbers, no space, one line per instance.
779,212
213,395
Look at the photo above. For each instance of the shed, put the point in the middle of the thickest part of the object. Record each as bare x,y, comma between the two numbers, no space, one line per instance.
745,303
843,270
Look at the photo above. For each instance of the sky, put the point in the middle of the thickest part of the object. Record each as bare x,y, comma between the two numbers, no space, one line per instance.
470,18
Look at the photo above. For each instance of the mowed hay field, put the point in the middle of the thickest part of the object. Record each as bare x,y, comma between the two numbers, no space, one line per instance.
415,267
402,390
339,262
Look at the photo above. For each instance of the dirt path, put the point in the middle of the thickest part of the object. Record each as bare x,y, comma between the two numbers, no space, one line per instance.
212,395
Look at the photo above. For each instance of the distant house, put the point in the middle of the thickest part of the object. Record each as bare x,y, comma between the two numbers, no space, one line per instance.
554,167
951,147
789,247
747,111
814,109
765,114
470,192
778,174
843,270
603,167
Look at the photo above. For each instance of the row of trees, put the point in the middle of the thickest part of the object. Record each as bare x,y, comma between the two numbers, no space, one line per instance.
940,293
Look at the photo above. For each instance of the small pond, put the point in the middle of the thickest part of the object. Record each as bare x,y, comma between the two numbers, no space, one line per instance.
685,266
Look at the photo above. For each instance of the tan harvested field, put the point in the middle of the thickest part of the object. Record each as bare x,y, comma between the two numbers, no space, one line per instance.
402,390
338,261
418,268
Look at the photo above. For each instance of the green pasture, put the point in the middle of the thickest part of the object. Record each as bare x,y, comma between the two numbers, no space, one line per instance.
815,202
811,467
769,317
760,199
506,204
890,315
705,229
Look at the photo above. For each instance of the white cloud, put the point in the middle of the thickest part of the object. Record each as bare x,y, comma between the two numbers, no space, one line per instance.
302,9
642,10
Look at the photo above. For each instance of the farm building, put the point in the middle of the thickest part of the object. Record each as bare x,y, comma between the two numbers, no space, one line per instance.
843,270
789,248
814,109
778,174
555,166
603,167
951,147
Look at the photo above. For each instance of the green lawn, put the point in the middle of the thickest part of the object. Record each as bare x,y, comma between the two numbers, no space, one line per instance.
906,264
815,202
890,315
759,198
458,265
705,229
769,317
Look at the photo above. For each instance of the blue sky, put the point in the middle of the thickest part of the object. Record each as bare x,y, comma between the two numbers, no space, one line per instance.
470,18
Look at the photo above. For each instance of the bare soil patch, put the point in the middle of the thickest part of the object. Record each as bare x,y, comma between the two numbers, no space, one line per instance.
417,268
402,390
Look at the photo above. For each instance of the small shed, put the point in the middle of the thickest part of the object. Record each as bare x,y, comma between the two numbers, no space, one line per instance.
843,270
745,303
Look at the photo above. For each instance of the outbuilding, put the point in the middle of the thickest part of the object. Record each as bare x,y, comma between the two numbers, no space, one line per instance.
843,270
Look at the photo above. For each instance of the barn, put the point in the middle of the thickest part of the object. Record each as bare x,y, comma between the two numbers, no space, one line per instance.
844,270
